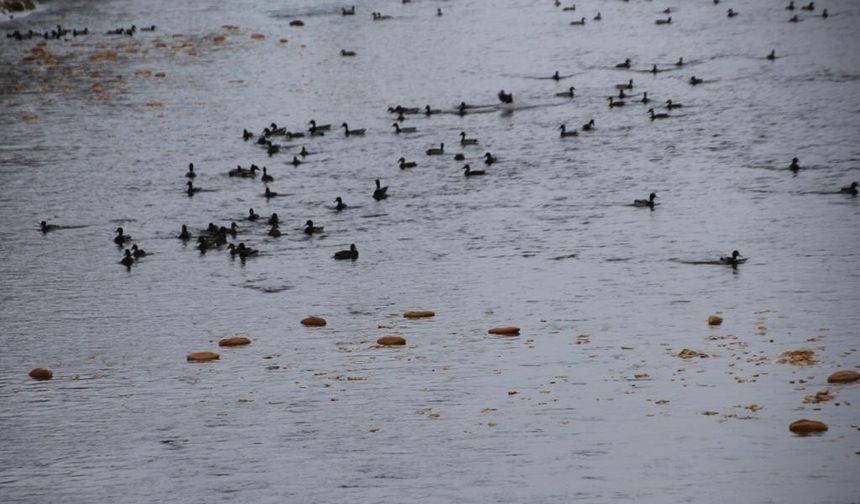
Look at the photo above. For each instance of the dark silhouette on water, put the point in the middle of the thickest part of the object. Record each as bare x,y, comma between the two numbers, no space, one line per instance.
381,192
352,253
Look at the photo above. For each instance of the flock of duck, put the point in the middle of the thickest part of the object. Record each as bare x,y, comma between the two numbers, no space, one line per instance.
217,237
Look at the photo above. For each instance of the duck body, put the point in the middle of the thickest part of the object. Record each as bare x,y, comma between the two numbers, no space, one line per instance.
613,103
351,254
795,165
436,152
120,237
44,227
398,130
589,126
190,173
184,234
467,141
348,132
565,133
266,177
311,229
252,216
626,64
340,205
851,189
568,93
657,116
581,22
664,21
469,172
190,189
346,54
137,252
268,194
503,97
646,202
670,105
406,164
318,127
734,259
381,192
127,259
489,159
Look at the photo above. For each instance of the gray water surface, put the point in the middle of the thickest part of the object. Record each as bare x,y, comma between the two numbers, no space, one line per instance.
589,403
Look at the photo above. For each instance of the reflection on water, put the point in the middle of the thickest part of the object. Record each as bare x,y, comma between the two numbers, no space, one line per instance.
590,401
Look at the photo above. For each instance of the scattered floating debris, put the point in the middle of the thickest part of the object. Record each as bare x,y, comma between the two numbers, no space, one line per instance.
419,314
819,397
715,320
689,354
799,357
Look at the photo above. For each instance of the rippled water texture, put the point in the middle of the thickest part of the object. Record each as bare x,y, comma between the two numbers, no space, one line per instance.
589,403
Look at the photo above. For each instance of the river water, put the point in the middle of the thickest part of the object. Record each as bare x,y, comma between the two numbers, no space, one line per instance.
589,403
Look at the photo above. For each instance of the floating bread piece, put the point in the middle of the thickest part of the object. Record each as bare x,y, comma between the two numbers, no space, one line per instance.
237,340
41,374
505,330
715,320
219,39
807,426
844,376
258,36
391,340
313,321
202,356
419,314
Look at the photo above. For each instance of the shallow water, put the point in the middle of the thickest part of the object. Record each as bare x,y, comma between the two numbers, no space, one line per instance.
547,241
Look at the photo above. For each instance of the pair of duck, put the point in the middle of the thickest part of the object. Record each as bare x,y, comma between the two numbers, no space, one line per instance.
589,126
242,251
130,256
244,172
